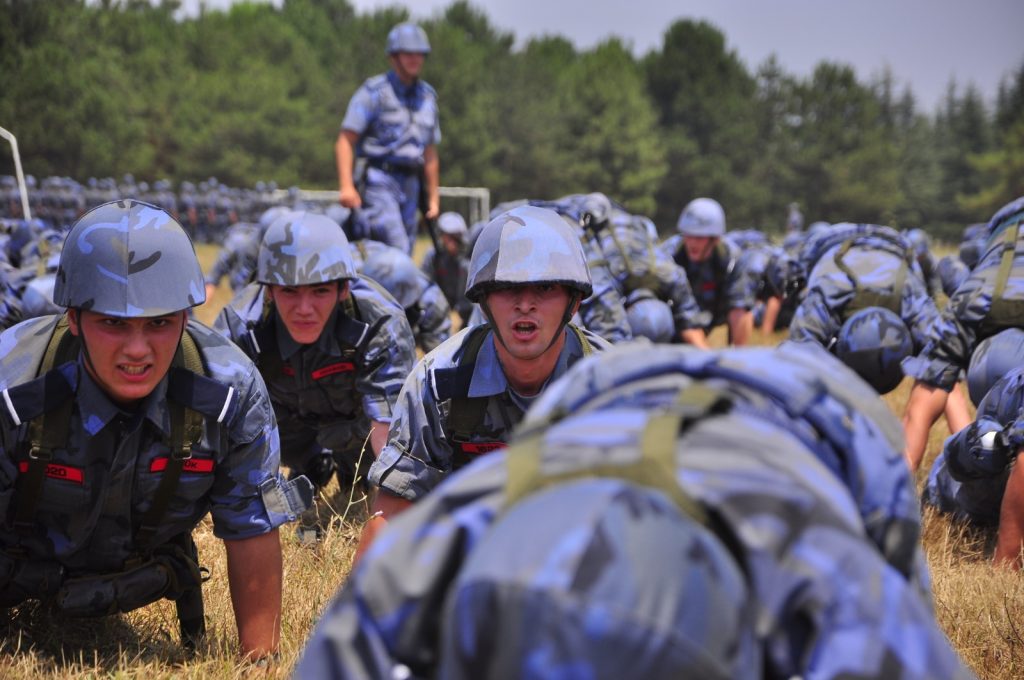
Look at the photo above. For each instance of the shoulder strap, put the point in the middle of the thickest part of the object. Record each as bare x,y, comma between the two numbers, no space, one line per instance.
1004,313
864,297
655,467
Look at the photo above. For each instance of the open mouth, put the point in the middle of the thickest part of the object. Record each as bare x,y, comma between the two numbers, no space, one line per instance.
524,330
133,372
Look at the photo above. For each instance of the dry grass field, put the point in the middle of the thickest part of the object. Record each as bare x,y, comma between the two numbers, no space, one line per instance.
981,610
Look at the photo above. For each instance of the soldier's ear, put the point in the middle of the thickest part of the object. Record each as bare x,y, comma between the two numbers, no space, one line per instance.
73,321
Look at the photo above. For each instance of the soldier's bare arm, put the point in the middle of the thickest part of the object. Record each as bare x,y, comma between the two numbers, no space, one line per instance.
923,408
254,575
1011,521
344,153
432,176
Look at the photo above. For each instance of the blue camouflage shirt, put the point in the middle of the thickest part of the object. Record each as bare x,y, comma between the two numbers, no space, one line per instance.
395,122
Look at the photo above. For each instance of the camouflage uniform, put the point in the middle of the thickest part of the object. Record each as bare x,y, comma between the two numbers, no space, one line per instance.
497,543
86,535
421,450
718,284
969,476
987,302
325,393
449,273
237,257
879,264
458,403
425,305
395,123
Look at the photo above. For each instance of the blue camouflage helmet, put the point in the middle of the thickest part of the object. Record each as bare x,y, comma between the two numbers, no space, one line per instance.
596,210
919,240
598,606
527,245
1010,213
127,259
873,342
649,317
970,252
408,37
453,224
702,217
952,273
302,248
994,357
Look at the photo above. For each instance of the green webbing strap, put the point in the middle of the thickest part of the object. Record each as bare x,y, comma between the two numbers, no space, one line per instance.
46,433
634,281
655,468
186,430
864,297
466,414
1005,313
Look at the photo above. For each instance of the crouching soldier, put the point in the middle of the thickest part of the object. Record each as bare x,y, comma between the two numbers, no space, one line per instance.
333,347
123,425
782,508
528,272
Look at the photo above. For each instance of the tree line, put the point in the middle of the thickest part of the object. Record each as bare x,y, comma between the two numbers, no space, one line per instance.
257,93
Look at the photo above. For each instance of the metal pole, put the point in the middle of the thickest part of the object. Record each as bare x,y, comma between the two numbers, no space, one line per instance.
25,212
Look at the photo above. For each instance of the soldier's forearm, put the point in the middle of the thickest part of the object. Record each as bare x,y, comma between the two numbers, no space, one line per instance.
254,576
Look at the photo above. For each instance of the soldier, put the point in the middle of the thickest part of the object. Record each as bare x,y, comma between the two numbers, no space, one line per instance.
547,560
425,307
236,259
333,347
656,294
392,122
528,273
123,426
991,300
449,266
720,286
975,477
37,298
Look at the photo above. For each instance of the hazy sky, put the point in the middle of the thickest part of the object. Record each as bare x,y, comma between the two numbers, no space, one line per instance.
924,42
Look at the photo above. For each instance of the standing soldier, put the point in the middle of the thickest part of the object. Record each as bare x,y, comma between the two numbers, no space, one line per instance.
332,346
123,425
392,122
528,273
719,284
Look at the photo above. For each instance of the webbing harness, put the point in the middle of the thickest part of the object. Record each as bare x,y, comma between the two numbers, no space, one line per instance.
50,430
636,281
655,468
1004,313
466,414
864,296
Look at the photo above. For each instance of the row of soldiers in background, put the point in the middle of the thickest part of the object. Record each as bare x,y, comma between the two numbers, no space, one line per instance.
205,209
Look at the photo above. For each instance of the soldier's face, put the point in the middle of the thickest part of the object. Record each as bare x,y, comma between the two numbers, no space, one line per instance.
699,248
407,65
527,318
304,310
127,357
452,244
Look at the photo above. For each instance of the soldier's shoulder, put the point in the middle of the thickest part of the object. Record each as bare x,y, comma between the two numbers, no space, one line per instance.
428,89
372,299
375,83
22,347
224,361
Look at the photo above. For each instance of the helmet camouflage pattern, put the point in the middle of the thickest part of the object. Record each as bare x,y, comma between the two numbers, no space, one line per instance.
873,342
649,317
128,259
527,245
994,357
303,248
702,217
408,37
